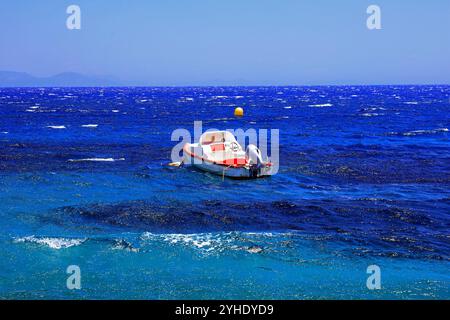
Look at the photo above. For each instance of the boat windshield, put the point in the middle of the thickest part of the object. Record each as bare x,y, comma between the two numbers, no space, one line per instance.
216,137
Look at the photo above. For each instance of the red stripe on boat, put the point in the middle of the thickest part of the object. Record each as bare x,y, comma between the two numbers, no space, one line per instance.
234,162
218,147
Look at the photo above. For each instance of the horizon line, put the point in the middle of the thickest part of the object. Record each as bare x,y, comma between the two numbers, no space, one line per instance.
112,81
231,85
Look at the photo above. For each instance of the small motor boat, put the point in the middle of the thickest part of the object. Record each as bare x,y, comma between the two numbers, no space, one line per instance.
218,152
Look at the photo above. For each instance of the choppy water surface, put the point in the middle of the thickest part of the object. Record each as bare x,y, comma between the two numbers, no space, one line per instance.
364,179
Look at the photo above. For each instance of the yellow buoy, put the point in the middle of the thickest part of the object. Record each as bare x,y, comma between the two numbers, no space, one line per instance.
238,112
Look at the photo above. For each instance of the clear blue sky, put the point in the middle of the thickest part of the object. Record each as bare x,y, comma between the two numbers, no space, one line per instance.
231,42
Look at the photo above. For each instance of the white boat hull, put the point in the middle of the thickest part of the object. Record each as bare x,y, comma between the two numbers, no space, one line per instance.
238,172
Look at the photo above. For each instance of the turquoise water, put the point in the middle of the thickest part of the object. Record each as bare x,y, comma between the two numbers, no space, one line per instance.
364,179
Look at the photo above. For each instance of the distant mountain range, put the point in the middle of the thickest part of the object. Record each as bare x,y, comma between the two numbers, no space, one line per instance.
65,79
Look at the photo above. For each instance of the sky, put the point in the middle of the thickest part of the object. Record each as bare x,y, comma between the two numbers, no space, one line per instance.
231,42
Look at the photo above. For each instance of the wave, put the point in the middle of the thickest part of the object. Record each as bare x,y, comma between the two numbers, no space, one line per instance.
89,125
54,243
96,160
251,242
56,127
371,114
205,243
222,119
419,132
122,244
321,105
371,109
215,225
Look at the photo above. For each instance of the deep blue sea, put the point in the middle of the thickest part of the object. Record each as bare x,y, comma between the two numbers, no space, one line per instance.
364,179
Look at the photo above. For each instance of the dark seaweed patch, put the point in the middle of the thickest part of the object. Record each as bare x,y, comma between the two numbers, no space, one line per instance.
388,225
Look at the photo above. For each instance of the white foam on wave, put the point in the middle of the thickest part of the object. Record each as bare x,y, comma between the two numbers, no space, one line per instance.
370,108
89,125
5,132
96,160
56,127
288,107
321,105
54,243
370,114
411,102
418,132
421,132
206,243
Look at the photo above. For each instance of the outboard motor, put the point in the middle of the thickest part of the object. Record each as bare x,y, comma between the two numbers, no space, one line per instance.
254,155
255,159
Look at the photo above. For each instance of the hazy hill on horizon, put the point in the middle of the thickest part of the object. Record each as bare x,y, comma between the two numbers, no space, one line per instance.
64,79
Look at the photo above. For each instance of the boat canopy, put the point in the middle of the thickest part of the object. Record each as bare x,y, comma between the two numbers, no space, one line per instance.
212,137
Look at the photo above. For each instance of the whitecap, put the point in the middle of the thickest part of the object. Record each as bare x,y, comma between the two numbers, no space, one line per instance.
288,107
89,125
204,241
411,102
421,132
321,105
96,160
54,243
56,127
370,114
207,243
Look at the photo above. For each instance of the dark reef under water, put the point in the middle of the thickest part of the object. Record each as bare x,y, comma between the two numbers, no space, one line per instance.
402,228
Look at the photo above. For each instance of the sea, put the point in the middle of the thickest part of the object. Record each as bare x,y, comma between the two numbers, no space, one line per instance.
363,184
